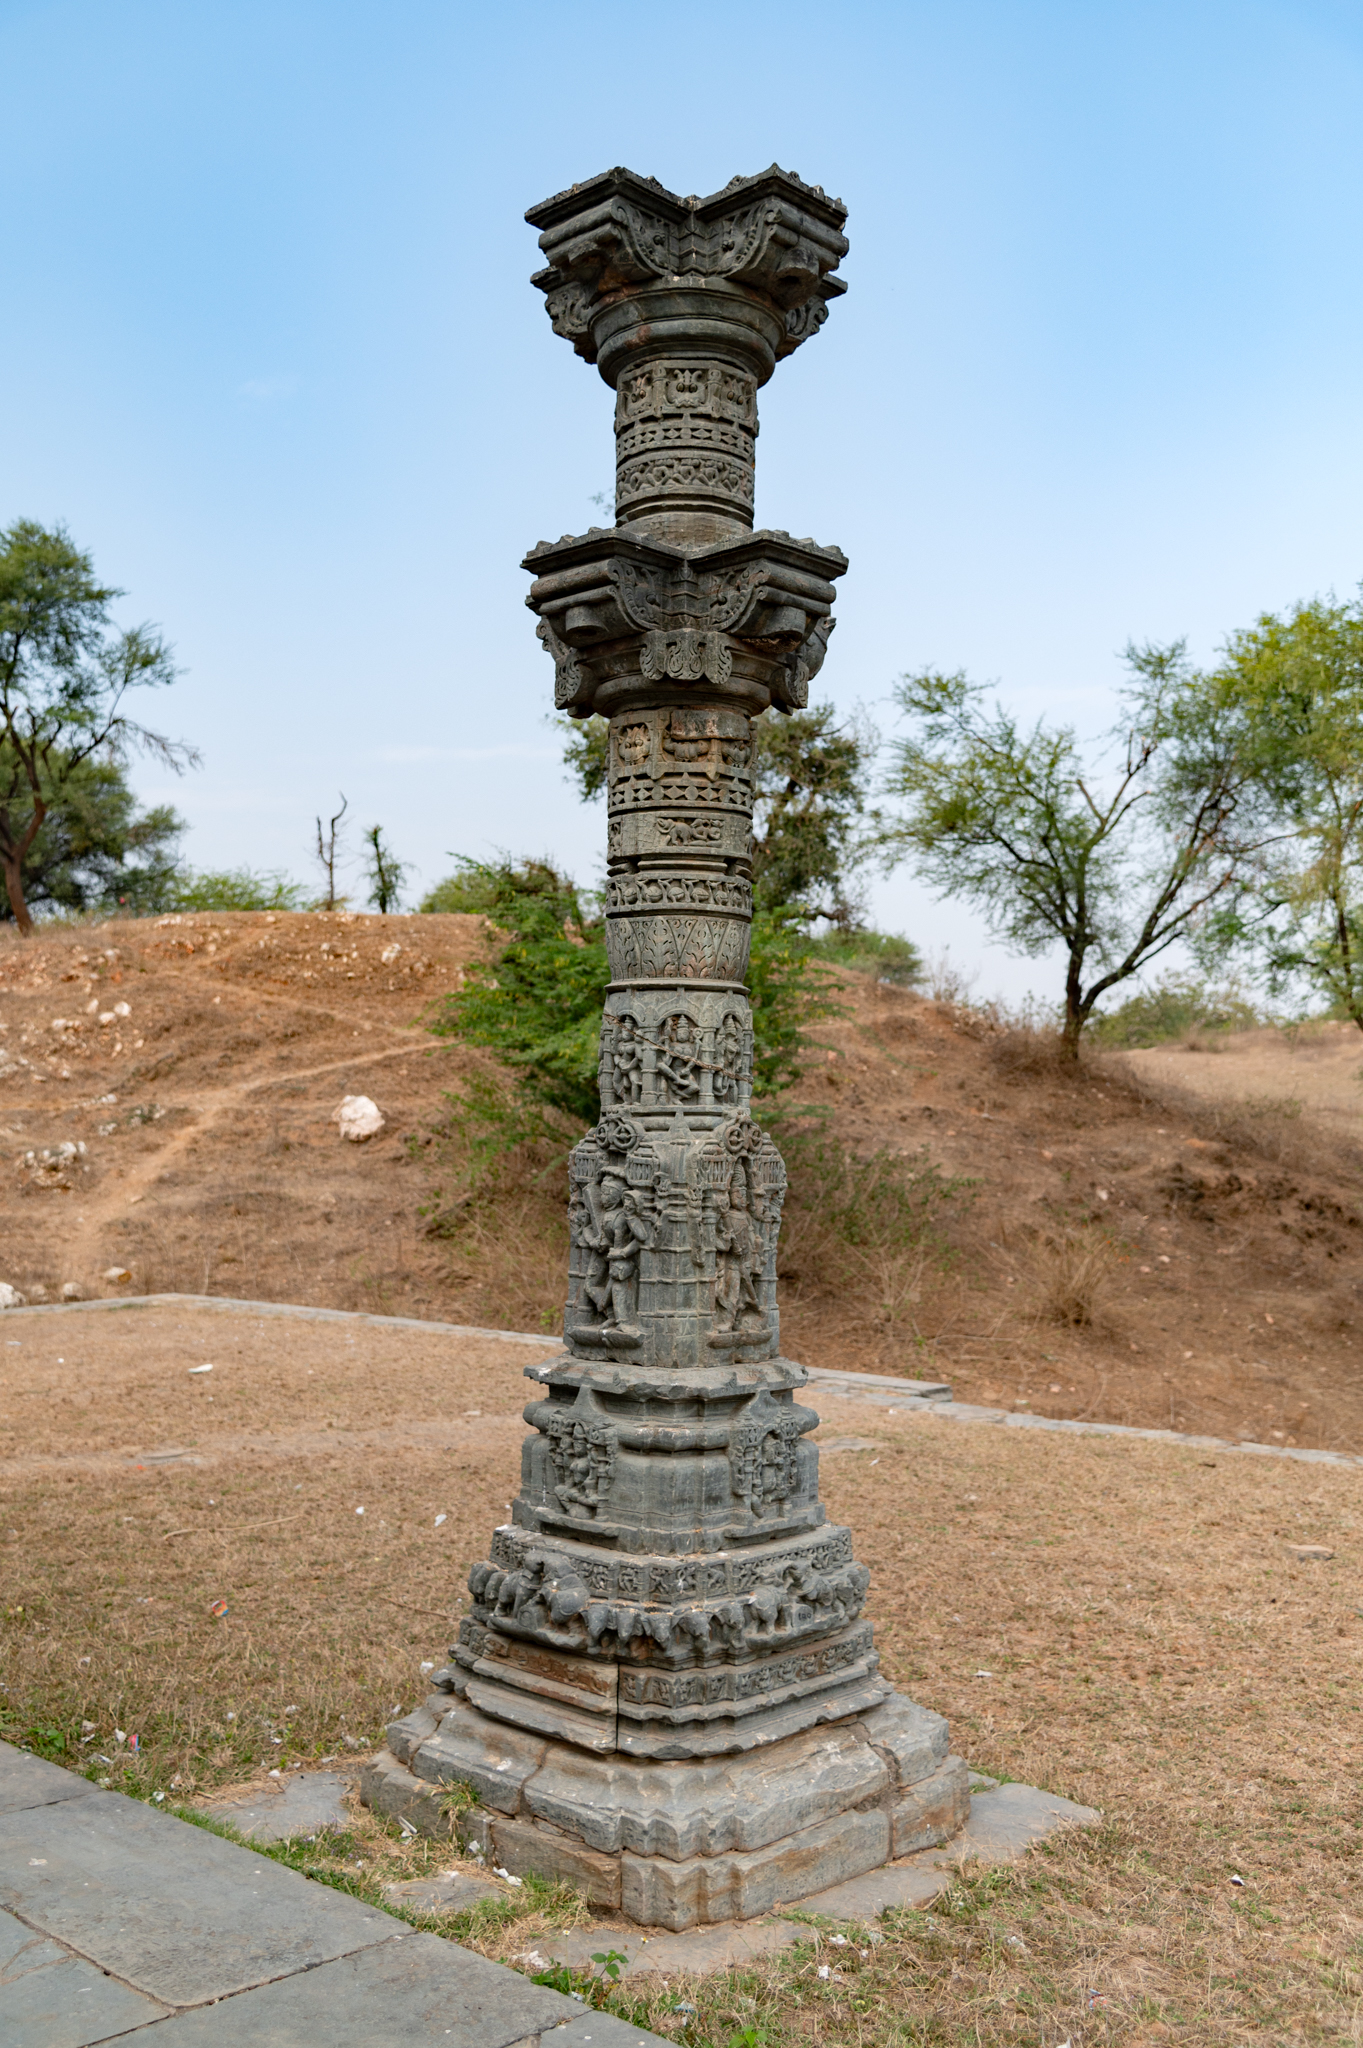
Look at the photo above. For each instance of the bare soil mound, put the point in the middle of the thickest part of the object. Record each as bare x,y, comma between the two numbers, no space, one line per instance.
1130,1242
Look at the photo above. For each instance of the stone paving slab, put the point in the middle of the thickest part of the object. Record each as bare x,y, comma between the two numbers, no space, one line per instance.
305,1803
27,1781
415,1988
52,1999
451,1893
1006,1822
173,1910
118,1911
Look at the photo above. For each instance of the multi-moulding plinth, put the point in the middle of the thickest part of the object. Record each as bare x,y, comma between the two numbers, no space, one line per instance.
666,1689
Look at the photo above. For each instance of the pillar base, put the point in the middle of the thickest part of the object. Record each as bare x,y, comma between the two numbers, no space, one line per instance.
683,1843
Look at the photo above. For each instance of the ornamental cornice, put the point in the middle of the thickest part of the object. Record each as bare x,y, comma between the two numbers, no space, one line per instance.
770,237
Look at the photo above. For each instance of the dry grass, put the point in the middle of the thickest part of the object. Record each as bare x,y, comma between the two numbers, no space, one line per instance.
1124,1623
1071,1274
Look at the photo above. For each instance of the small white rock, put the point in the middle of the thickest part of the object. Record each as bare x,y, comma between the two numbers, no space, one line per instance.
10,1297
390,953
123,1009
73,1291
359,1118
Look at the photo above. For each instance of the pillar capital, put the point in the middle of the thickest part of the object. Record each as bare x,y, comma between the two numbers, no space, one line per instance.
757,257
686,306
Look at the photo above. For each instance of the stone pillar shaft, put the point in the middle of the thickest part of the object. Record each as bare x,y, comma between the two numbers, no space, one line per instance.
666,1687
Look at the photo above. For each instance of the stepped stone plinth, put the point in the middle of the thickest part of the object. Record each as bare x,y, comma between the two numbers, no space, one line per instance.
666,1690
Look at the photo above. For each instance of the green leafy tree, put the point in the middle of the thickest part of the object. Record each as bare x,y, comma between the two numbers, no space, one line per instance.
536,1001
65,675
811,778
1296,683
94,849
1113,867
385,873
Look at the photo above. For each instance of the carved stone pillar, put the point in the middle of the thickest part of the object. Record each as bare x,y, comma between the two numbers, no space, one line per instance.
666,1689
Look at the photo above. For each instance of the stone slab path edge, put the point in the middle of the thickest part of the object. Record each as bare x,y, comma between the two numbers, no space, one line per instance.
117,1921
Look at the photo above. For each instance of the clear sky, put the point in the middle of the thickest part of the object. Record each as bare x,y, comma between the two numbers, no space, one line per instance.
269,350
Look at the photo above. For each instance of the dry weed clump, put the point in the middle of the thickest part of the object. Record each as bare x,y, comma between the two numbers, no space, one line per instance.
866,1225
1072,1272
1026,1051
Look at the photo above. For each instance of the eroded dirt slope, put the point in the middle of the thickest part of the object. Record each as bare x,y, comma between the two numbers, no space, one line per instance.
1213,1248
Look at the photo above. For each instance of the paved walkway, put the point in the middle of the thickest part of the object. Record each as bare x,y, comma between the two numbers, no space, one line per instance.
118,1923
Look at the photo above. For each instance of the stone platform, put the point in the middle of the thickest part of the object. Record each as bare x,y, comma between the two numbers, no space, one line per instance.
117,1921
681,1844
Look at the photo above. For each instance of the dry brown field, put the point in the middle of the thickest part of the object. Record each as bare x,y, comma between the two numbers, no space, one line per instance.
1127,1623
1198,1212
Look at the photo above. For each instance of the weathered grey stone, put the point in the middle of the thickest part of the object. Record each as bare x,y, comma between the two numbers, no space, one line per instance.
28,1781
529,1848
454,1892
661,1893
703,1809
492,1758
306,1803
388,1787
52,1999
865,1898
406,1736
176,1912
668,1607
722,1945
913,1740
412,1989
932,1810
1007,1821
549,1718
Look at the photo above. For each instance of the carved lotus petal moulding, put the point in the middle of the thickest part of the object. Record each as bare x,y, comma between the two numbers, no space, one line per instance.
666,1689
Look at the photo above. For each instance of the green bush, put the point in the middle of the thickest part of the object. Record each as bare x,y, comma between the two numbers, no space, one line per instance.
1175,1007
887,955
536,1002
232,889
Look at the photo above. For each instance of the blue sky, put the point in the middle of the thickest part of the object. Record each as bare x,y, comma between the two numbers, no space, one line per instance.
269,350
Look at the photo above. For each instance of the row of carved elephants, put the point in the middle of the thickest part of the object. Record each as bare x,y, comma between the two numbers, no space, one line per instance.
546,1599
665,1581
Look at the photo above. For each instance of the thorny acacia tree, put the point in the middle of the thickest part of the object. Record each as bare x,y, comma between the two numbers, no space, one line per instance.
385,873
95,849
64,677
810,777
1115,867
1296,684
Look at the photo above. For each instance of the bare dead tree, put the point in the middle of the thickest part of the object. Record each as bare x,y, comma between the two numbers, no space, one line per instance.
329,852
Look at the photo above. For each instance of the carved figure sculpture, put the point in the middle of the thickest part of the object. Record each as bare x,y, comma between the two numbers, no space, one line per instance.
668,1597
741,1255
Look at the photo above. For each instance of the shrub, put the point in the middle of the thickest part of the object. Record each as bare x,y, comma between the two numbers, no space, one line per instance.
1175,1007
232,889
887,955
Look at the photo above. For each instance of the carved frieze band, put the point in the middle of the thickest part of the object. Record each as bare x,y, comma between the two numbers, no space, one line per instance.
679,756
637,835
661,390
628,893
661,476
608,1576
678,948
